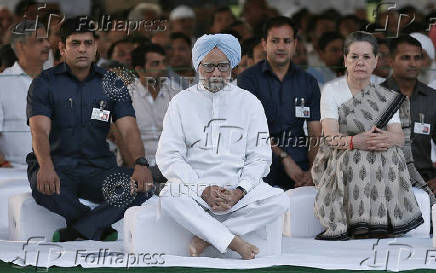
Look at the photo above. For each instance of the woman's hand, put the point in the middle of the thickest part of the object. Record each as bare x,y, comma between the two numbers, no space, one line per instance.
378,140
381,141
366,140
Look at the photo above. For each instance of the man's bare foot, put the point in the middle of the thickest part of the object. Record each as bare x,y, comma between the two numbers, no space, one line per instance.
197,246
246,250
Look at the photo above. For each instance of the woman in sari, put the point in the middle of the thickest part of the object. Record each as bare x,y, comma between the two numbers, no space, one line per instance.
360,172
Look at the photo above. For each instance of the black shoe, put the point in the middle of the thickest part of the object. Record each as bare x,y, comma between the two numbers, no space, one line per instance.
67,234
109,234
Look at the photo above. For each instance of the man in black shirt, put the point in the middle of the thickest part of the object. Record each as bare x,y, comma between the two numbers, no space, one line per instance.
406,58
69,116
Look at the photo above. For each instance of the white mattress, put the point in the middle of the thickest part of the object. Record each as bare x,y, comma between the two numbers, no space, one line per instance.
404,254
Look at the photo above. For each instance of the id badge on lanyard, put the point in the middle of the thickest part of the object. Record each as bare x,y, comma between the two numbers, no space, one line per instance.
100,114
421,127
301,111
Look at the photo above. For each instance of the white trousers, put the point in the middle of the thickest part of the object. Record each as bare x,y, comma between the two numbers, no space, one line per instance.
204,224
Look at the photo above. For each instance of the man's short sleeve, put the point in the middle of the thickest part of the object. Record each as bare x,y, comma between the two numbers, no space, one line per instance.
315,112
329,106
38,99
123,107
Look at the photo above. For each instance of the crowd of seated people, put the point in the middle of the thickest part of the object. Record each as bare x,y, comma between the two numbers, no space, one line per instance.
307,69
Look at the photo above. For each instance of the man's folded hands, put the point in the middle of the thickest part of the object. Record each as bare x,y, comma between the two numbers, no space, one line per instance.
221,199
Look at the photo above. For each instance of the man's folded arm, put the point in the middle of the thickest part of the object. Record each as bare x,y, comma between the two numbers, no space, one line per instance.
258,149
171,151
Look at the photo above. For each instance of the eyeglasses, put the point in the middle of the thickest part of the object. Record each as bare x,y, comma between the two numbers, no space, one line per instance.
210,67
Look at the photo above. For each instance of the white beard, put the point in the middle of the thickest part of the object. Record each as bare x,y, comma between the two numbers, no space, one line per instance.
215,84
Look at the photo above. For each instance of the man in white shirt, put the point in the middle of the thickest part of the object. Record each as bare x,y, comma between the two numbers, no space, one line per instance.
31,50
151,94
214,151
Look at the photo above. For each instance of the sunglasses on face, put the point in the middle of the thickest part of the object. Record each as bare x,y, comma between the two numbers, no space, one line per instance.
210,67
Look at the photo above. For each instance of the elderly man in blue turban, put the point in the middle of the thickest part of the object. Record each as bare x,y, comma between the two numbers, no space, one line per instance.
214,151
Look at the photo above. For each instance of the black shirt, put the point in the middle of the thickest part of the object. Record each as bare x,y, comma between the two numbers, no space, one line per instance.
422,101
75,137
278,100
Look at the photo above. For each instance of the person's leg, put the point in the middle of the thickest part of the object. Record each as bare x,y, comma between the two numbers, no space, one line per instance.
189,214
66,203
257,214
206,229
94,223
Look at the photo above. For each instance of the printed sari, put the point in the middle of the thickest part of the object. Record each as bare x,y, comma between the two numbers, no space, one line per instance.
364,192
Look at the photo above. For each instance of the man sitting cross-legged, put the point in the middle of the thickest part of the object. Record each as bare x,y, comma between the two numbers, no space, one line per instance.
214,152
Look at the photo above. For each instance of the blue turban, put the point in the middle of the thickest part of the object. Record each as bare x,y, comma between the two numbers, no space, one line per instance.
228,44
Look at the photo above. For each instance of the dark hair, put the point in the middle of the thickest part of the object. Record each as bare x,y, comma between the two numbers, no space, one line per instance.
22,6
299,15
247,46
371,27
403,39
219,10
314,19
414,27
350,17
278,22
57,54
139,54
140,40
113,45
232,32
79,24
112,64
181,35
360,36
236,23
328,37
382,41
257,40
7,56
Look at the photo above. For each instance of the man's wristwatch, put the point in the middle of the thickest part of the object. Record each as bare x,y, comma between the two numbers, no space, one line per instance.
244,192
141,161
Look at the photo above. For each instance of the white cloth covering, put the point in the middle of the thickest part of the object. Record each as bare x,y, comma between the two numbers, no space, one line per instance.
214,139
334,94
393,254
15,136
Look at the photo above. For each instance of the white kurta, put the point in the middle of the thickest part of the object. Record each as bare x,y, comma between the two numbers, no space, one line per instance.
15,136
216,139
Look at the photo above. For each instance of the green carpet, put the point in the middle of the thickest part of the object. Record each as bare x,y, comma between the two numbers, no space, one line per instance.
9,267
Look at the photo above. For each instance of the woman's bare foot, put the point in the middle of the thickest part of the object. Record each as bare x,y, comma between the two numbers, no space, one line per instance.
197,246
246,250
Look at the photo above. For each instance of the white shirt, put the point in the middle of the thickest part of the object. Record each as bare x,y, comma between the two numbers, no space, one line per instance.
432,84
376,79
15,137
215,139
334,94
150,113
50,61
